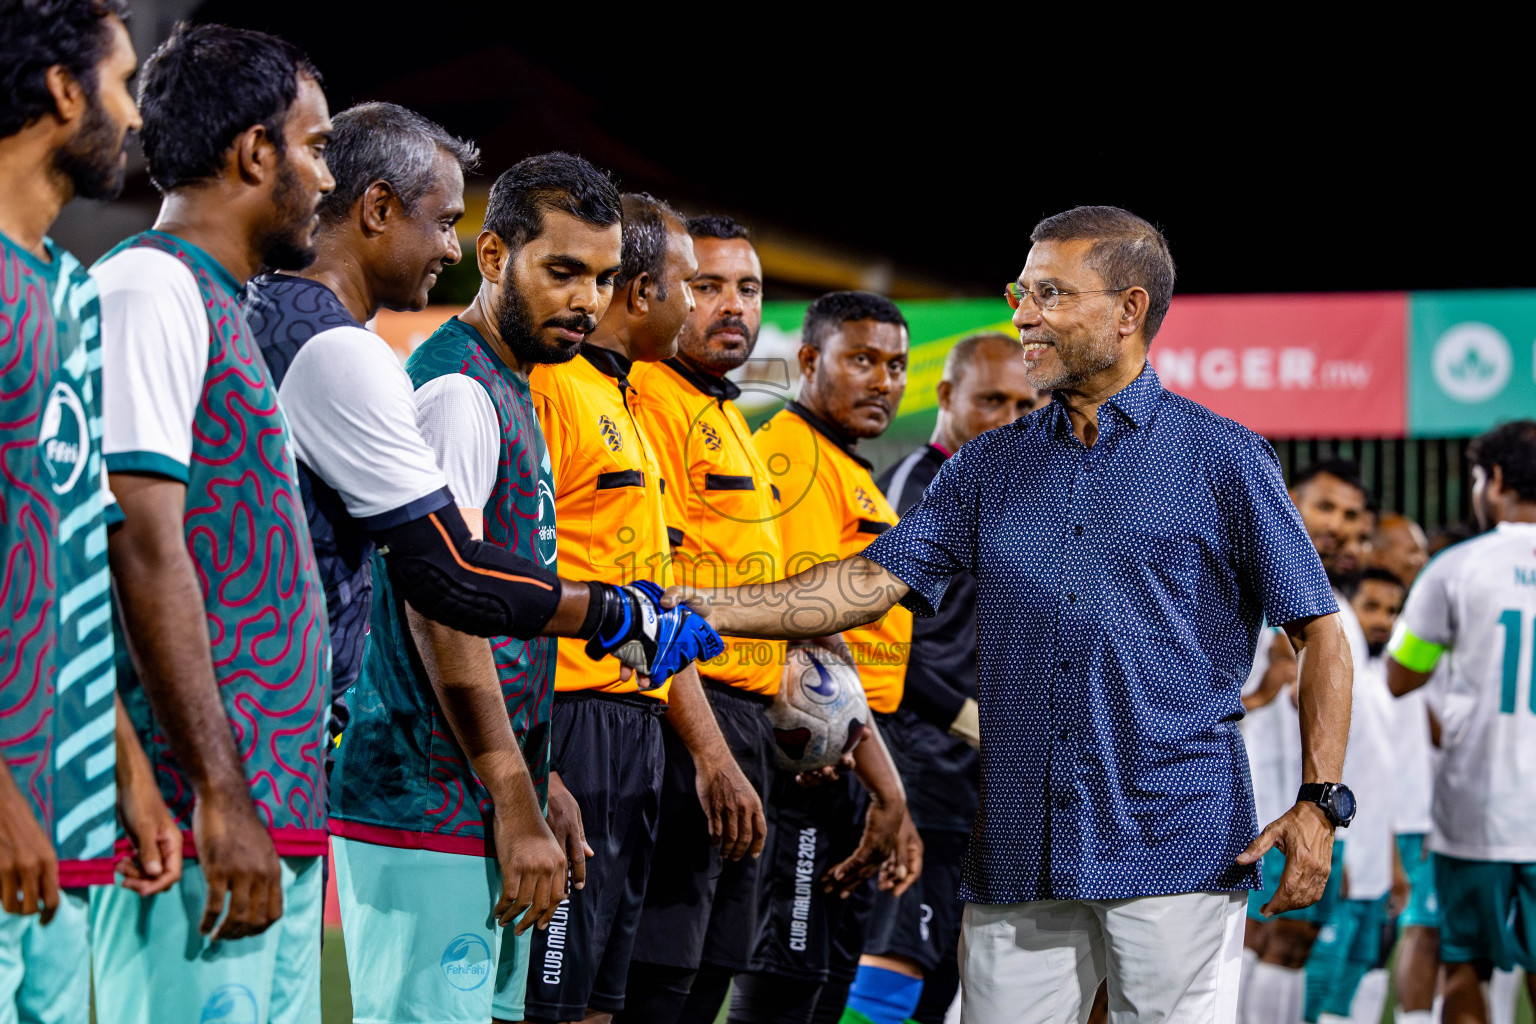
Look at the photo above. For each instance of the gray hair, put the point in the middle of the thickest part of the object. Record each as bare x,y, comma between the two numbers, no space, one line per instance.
385,142
1127,252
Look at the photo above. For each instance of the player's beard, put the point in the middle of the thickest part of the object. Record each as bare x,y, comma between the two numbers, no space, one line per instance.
290,245
92,159
514,321
1080,360
697,348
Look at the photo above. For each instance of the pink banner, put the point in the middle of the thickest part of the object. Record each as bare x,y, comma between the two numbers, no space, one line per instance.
1291,365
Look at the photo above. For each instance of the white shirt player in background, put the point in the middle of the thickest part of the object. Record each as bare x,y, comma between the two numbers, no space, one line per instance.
1401,548
1344,978
1474,609
1332,502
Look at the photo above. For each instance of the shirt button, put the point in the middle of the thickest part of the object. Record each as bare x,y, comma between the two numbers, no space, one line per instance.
1062,801
1066,734
1078,529
1066,665
1071,599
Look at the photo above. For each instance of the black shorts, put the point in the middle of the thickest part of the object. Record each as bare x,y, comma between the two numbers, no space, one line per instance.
803,930
924,924
699,907
608,751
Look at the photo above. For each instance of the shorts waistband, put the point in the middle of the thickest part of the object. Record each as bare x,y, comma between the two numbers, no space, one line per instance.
736,693
650,705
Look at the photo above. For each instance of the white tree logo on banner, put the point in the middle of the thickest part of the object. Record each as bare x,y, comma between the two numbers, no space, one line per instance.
1472,362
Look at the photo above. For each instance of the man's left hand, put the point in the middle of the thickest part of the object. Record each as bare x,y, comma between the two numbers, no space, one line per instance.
735,813
155,864
1305,835
904,866
882,832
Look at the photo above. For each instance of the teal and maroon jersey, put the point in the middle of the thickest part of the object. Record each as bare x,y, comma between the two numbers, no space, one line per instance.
249,540
400,778
56,653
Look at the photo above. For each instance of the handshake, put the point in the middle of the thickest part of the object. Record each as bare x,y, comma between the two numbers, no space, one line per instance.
652,641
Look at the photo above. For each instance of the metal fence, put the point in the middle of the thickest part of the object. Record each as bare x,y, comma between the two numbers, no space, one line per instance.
1426,479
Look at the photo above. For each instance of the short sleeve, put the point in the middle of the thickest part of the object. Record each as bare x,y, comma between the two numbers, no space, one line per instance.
460,425
1274,558
1429,613
350,406
154,356
936,538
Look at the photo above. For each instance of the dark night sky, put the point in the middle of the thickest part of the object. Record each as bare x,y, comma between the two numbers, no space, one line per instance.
1289,171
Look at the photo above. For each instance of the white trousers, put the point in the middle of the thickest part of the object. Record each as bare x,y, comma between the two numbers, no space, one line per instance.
1167,958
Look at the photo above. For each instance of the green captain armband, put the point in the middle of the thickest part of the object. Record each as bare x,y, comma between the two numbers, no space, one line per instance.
1412,653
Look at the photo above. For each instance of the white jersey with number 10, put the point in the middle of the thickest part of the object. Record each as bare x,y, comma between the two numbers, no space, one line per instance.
1477,601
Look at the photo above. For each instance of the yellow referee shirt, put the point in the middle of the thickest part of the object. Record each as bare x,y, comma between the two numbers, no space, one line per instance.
830,510
721,507
608,490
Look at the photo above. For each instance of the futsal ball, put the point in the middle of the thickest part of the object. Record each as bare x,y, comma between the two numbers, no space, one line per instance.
819,714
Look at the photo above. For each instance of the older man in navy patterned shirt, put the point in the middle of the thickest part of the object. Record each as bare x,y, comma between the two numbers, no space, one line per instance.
1126,543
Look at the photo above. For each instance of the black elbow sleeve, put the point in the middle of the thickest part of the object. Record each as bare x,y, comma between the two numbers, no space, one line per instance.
466,584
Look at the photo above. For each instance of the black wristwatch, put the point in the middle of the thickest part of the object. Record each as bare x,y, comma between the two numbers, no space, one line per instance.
1335,798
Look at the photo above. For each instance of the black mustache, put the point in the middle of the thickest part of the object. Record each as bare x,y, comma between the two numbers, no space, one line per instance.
728,323
581,324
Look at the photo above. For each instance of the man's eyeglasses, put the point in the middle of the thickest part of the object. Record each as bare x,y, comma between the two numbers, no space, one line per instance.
1048,296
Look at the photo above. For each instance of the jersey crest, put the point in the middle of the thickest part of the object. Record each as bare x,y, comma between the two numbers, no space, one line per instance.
611,436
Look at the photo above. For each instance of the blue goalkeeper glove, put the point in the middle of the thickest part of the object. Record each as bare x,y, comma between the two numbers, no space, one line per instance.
653,641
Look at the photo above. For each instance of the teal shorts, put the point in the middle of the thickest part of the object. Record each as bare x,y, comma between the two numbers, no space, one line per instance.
1348,945
1423,909
422,939
45,970
1489,910
1273,866
152,965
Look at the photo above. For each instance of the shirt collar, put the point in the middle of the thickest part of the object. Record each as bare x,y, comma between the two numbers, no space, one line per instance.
945,452
1136,402
609,362
831,433
718,388
1508,526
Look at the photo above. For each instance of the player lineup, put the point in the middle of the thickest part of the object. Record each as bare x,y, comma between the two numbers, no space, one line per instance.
592,700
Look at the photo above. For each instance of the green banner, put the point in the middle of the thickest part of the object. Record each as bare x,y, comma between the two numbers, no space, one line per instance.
935,327
1470,361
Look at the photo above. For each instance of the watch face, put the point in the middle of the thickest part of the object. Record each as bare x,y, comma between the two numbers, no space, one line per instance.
1343,804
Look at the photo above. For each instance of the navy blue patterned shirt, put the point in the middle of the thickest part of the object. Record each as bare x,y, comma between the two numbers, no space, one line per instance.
1120,590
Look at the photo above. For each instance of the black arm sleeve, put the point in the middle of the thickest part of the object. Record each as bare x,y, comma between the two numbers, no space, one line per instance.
466,584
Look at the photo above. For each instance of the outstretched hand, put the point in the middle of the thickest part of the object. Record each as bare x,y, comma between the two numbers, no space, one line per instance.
1305,835
652,641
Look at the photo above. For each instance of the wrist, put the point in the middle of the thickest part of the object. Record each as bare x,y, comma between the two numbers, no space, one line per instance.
598,596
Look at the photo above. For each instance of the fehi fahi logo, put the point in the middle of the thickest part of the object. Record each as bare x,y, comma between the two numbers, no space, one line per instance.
466,962
230,1004
1472,362
63,439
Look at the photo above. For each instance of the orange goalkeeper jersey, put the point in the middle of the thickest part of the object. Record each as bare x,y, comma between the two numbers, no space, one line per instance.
832,509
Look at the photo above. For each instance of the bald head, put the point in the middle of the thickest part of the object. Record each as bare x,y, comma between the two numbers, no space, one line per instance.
982,388
1400,547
